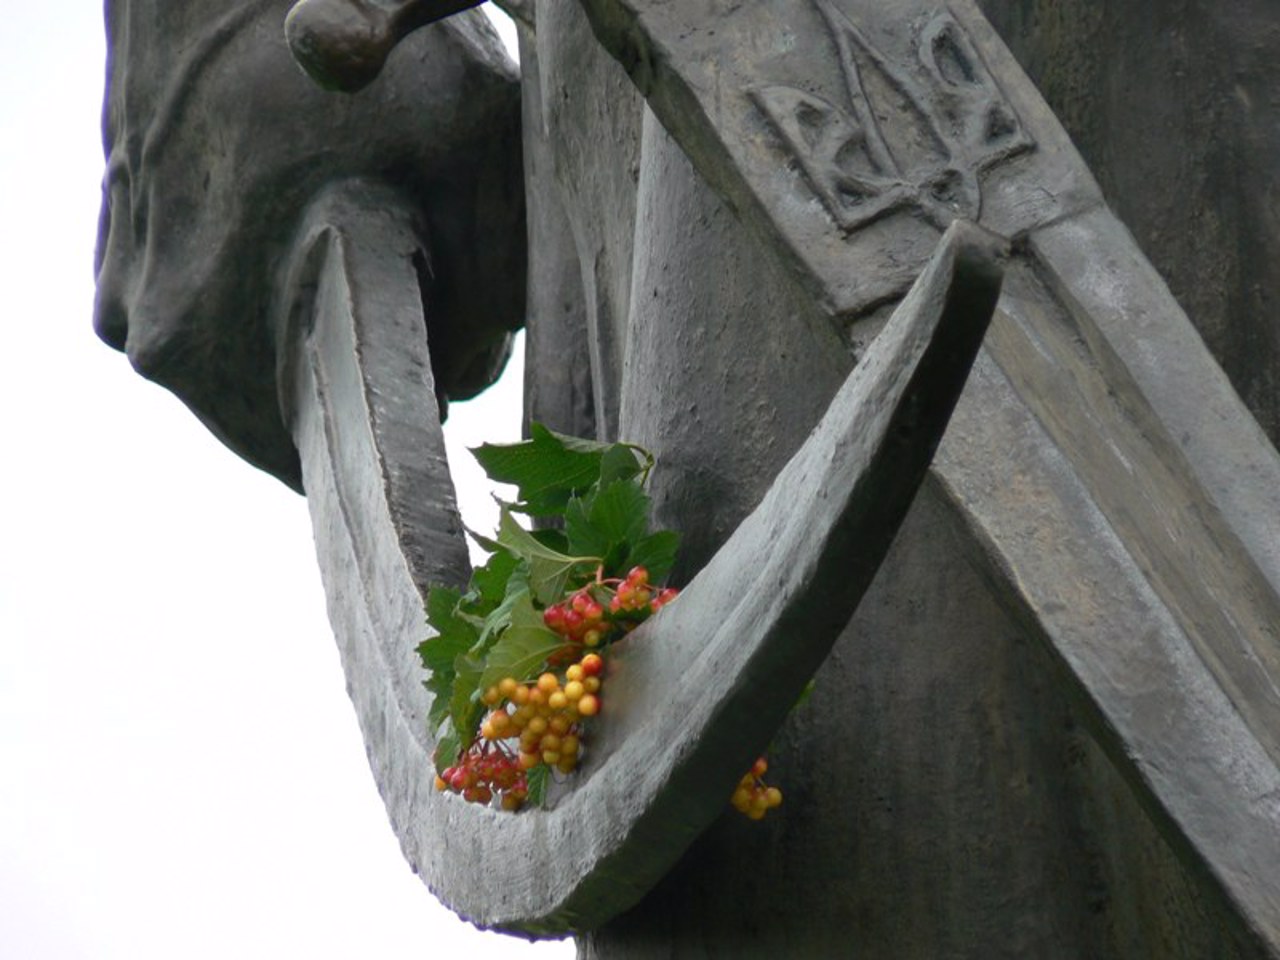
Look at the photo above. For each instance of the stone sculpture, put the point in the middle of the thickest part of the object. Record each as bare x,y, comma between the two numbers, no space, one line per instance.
1051,727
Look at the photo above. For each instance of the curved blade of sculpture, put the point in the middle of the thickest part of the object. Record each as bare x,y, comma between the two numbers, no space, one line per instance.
762,615
1099,462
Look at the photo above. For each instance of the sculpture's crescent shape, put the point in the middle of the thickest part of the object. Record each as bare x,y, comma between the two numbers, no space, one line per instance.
693,695
1100,466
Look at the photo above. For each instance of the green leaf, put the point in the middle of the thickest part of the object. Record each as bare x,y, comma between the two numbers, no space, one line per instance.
522,649
621,462
455,635
546,469
656,553
489,583
448,749
605,523
548,569
620,512
464,701
537,780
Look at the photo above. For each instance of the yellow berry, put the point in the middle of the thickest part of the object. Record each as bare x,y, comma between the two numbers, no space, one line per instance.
589,705
507,687
591,684
774,796
548,683
574,689
573,673
557,700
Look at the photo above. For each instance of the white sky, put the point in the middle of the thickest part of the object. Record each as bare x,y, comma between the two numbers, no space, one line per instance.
181,774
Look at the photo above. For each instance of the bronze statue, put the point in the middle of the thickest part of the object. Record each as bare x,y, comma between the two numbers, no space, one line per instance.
1052,726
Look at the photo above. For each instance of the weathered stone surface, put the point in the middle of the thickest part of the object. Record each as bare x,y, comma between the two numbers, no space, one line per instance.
217,142
1051,727
678,733
1173,104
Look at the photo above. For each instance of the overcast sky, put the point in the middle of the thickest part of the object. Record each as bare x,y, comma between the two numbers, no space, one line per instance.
181,773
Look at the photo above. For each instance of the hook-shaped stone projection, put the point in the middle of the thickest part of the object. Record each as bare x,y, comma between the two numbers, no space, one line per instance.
1135,540
765,611
1069,660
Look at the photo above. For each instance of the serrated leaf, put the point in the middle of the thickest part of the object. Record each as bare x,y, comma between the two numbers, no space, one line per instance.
608,521
582,537
656,553
620,462
546,469
522,649
548,569
620,511
489,582
454,636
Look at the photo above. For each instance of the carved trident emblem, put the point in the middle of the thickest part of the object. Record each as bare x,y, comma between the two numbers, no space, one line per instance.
949,122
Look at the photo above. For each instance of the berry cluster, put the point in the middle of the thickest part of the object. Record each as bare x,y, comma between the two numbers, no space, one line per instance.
529,724
483,772
753,796
602,611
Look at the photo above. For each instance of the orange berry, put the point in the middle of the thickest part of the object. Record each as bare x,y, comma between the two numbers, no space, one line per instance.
548,683
589,705
592,664
507,687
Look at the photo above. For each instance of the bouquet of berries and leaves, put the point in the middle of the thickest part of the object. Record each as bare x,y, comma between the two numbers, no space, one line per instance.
515,663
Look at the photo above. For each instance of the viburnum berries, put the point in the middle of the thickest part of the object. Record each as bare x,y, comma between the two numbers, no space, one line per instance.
516,663
753,796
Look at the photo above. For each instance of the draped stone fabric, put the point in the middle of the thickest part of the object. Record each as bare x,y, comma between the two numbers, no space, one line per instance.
216,142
